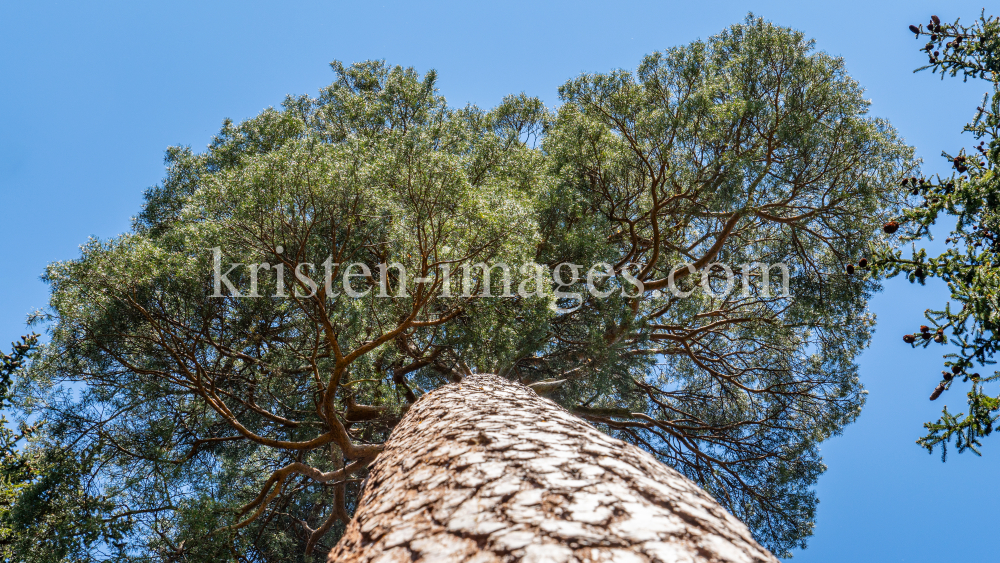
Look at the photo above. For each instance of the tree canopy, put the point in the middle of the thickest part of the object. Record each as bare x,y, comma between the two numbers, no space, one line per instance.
208,426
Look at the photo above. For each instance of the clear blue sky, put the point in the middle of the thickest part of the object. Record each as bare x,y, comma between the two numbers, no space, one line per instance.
92,94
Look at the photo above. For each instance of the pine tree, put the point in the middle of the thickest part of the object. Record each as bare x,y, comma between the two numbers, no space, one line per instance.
212,425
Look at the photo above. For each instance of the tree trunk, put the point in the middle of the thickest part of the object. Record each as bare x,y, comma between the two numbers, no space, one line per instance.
487,471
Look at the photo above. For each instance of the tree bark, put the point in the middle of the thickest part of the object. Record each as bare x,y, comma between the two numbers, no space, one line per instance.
487,471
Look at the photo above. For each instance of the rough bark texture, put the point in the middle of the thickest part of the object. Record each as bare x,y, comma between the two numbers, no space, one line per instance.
488,471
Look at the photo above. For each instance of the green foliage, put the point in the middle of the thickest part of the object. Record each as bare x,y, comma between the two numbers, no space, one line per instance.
15,469
738,149
56,518
46,511
970,196
189,426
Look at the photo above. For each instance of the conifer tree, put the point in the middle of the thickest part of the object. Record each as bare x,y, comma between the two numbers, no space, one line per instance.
969,196
209,424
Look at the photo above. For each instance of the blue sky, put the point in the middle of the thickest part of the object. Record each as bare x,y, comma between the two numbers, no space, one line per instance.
91,95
